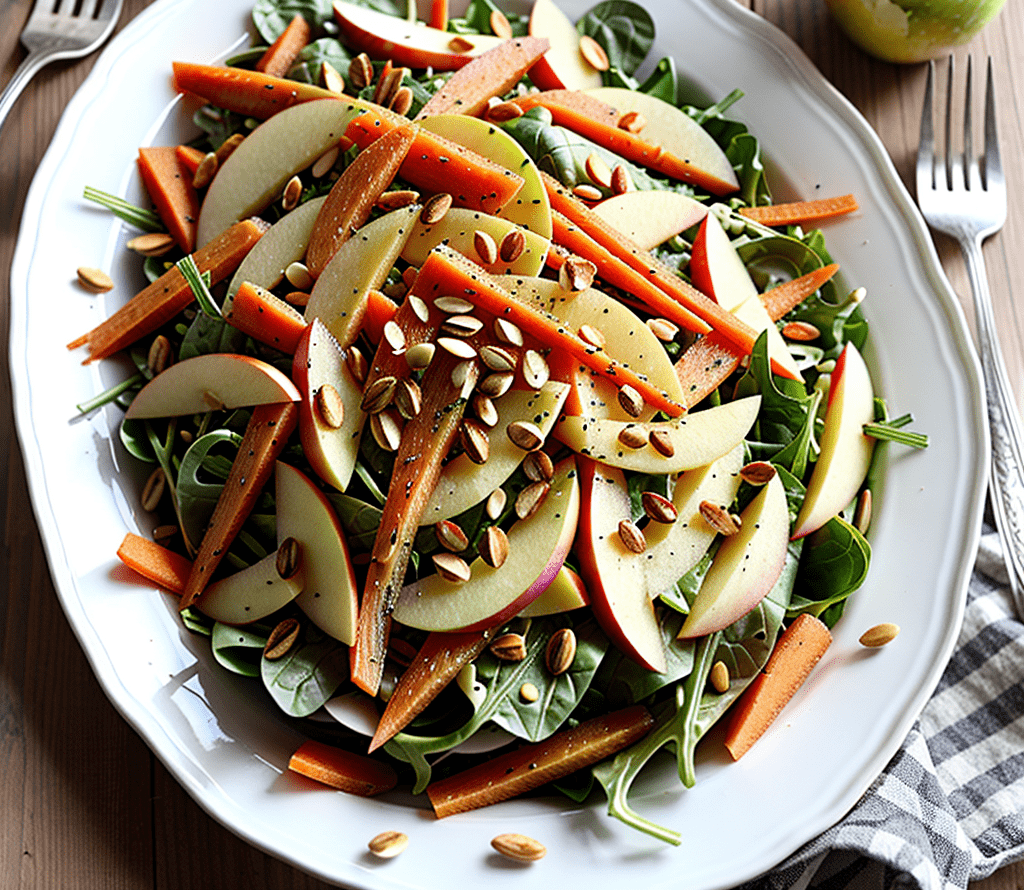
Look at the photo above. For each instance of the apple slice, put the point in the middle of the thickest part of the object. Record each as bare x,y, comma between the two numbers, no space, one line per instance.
563,66
255,173
566,593
283,244
717,270
682,139
215,381
412,44
463,483
695,439
331,449
531,208
674,548
746,565
360,265
537,549
845,453
458,228
612,572
593,394
650,217
252,593
330,595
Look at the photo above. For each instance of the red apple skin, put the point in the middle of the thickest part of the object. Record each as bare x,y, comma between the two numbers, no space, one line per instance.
700,273
605,600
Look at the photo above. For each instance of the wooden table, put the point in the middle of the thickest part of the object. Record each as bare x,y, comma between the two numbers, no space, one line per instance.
83,802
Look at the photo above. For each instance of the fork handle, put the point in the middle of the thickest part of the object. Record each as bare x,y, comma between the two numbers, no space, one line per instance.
1006,472
28,68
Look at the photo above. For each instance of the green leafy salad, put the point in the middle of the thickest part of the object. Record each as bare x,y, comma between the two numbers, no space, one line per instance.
491,405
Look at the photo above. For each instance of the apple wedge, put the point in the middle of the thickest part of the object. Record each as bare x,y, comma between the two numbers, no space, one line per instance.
693,439
360,265
463,483
650,217
566,593
330,442
614,574
255,173
210,382
687,147
531,208
537,547
412,44
563,66
458,229
283,244
330,594
717,270
252,593
746,565
845,453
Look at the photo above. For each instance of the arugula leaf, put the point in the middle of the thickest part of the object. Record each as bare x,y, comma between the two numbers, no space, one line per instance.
624,30
309,674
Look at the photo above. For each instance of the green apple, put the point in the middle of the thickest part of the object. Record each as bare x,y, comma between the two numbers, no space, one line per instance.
746,566
216,380
846,452
537,547
650,218
912,30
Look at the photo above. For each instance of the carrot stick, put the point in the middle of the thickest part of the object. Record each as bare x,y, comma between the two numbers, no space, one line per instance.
454,274
251,93
440,658
380,309
352,197
189,157
707,364
354,773
282,53
265,437
264,317
435,164
439,15
158,303
531,766
796,653
598,122
155,562
797,213
171,192
492,73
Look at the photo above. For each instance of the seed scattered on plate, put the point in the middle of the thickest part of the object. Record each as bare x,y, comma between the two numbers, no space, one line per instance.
519,846
879,635
95,280
388,844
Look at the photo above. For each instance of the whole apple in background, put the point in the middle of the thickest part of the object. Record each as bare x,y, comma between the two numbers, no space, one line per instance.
845,453
912,30
746,566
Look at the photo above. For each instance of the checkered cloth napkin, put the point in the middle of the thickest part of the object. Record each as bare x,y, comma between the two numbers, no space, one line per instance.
949,807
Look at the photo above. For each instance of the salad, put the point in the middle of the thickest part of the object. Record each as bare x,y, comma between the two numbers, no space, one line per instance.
548,480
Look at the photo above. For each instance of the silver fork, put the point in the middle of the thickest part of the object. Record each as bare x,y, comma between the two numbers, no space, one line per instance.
59,29
967,200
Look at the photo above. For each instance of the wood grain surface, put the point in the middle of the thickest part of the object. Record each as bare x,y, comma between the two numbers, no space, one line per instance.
84,805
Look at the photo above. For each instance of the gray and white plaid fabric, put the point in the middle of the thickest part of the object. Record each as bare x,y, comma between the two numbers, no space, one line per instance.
949,807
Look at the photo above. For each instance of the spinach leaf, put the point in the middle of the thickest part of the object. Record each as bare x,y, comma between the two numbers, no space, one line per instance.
663,82
625,31
784,402
309,65
239,649
835,563
197,495
477,20
309,674
135,440
359,520
744,153
271,17
207,334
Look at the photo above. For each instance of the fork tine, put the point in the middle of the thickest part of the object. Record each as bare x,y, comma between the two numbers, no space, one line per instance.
949,124
993,166
926,144
971,179
88,9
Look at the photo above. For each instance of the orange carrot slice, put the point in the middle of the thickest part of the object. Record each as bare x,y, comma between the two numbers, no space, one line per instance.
454,274
440,658
787,296
189,157
439,15
171,192
264,317
155,562
380,309
492,73
282,53
354,773
351,199
265,437
798,213
158,303
435,165
531,766
796,653
599,122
